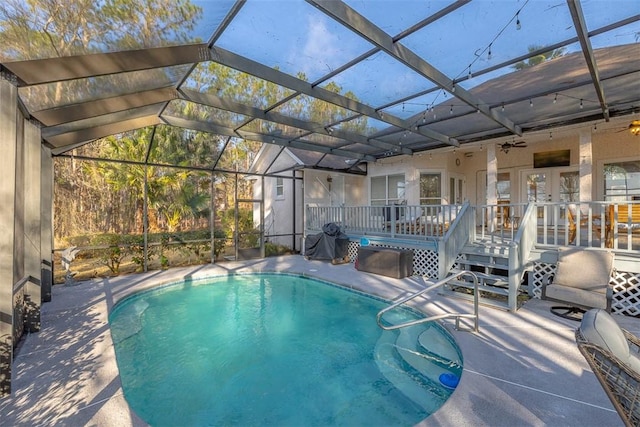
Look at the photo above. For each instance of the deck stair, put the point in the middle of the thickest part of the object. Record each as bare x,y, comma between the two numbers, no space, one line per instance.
489,260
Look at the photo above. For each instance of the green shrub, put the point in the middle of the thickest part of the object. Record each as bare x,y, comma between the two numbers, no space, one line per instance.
271,249
114,254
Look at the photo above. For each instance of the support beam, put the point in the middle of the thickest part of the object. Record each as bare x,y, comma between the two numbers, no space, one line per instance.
237,62
46,222
492,185
41,71
586,166
587,50
80,136
32,227
86,110
8,141
267,139
247,110
366,29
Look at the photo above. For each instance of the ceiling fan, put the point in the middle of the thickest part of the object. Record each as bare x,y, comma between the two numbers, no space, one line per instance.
633,127
509,145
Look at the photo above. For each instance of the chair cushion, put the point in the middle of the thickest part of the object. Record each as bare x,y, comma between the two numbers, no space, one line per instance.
634,363
599,328
577,296
584,269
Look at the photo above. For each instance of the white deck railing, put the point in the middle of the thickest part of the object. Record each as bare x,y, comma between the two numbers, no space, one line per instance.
393,221
614,225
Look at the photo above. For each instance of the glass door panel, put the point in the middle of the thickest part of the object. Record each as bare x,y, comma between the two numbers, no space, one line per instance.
569,191
537,191
456,188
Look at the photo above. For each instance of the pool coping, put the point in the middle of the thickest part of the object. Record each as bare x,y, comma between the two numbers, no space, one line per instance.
521,368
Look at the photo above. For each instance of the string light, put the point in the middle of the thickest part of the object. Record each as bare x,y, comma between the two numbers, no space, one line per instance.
550,135
581,106
531,103
451,110
489,49
555,99
503,107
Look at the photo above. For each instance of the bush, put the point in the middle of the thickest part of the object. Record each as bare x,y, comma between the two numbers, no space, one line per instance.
112,256
272,249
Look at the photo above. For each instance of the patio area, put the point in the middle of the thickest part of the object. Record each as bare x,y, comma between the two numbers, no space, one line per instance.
521,368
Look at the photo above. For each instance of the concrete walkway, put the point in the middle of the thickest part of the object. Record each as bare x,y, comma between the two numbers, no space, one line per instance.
521,369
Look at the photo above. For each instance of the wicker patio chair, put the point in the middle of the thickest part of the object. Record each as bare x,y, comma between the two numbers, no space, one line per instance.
612,354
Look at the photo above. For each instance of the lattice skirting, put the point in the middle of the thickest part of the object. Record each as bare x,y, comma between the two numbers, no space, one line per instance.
425,262
626,288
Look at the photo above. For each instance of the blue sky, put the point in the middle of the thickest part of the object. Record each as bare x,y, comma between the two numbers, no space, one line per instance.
296,37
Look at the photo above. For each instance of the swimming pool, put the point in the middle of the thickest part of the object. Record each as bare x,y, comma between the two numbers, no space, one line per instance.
275,349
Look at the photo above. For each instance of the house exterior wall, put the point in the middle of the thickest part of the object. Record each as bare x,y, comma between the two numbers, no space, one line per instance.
412,167
322,188
279,210
613,145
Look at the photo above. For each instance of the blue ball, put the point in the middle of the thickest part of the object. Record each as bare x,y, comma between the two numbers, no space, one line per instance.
449,380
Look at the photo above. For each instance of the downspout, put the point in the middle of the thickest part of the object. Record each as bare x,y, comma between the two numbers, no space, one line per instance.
293,185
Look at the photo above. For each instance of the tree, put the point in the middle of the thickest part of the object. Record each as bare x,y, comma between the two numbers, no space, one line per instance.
32,29
540,58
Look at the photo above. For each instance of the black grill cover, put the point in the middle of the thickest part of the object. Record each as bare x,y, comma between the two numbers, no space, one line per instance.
331,244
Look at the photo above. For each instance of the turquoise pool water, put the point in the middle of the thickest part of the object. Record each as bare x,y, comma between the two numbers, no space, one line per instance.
275,349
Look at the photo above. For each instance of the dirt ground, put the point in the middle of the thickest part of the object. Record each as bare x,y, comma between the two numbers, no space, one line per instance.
85,266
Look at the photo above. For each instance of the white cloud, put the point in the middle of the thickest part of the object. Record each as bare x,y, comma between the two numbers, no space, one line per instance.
321,51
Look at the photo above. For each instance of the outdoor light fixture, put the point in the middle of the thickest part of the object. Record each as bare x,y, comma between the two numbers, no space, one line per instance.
634,127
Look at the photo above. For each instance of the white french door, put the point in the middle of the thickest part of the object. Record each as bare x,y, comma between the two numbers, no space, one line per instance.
559,185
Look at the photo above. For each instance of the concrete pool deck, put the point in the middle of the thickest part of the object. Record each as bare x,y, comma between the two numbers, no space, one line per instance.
520,369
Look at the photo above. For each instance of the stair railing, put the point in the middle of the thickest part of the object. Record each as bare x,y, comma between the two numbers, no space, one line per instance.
438,284
459,233
519,251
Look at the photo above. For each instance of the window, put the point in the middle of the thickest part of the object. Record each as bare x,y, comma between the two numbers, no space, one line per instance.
622,181
430,189
570,186
280,188
388,189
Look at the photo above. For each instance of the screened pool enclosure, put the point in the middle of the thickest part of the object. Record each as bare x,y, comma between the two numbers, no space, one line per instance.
194,129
